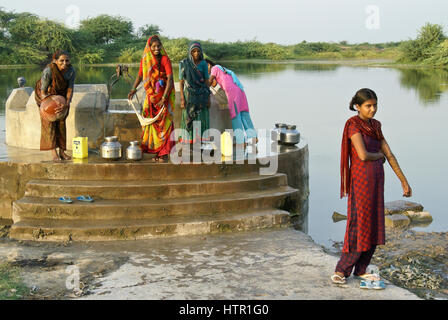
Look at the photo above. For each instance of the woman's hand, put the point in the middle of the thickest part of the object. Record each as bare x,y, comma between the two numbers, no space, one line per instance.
161,103
209,103
131,94
182,103
60,107
383,157
407,190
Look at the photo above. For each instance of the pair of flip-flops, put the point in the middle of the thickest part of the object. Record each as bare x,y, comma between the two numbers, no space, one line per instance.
368,281
83,198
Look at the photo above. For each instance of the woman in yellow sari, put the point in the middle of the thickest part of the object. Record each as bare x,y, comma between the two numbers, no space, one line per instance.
157,76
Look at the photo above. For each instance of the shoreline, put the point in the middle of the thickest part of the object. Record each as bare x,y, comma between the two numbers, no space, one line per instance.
369,62
414,260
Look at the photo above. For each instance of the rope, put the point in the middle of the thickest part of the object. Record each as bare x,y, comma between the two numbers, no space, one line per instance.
145,121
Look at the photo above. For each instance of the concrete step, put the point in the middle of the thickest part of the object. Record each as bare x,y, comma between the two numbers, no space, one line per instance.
283,197
106,230
141,189
141,170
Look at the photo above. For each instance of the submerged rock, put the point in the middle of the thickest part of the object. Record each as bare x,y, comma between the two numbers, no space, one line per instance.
338,217
397,221
422,216
401,206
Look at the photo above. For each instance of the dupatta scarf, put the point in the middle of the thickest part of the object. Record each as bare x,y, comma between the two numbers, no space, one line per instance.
371,128
196,91
156,137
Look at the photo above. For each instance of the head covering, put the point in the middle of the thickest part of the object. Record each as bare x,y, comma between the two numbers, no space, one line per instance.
193,76
370,128
195,45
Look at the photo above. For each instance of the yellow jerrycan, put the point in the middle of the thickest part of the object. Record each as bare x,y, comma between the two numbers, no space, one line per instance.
226,144
80,148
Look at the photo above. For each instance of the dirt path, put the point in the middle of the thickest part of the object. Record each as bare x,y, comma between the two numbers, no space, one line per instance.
282,264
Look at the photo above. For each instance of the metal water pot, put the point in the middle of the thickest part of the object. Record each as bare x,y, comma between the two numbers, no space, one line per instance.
275,133
111,149
290,136
133,152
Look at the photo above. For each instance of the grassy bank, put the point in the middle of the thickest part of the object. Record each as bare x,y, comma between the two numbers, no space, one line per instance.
26,39
11,286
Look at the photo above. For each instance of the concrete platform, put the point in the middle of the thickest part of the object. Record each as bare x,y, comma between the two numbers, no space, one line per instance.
140,200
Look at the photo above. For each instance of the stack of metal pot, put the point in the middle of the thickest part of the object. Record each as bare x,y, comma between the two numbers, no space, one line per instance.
285,134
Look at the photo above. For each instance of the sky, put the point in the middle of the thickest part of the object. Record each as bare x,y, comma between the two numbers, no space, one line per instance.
278,21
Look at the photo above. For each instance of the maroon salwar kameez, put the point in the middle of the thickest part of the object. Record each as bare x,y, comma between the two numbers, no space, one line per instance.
364,185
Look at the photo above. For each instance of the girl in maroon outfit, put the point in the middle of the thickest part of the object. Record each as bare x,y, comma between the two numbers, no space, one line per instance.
364,147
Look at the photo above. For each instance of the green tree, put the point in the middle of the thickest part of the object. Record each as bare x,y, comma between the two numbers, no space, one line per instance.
28,39
105,29
148,30
430,36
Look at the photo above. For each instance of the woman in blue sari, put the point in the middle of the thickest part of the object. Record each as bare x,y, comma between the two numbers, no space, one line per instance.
195,94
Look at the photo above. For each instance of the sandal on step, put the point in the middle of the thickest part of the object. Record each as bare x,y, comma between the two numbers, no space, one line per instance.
66,199
85,198
337,279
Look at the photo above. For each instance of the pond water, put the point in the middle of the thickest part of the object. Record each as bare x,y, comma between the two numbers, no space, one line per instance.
413,108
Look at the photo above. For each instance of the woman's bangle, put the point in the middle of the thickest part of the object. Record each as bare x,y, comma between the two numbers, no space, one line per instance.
134,90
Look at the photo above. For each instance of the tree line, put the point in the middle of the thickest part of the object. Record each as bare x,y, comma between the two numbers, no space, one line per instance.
28,39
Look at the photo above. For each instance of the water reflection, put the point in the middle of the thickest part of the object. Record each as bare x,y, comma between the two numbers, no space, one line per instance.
428,83
258,69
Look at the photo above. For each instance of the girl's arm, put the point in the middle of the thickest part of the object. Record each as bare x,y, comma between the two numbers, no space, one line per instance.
361,150
407,191
182,98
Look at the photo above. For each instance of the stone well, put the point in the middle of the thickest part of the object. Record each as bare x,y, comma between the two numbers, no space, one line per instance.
91,117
